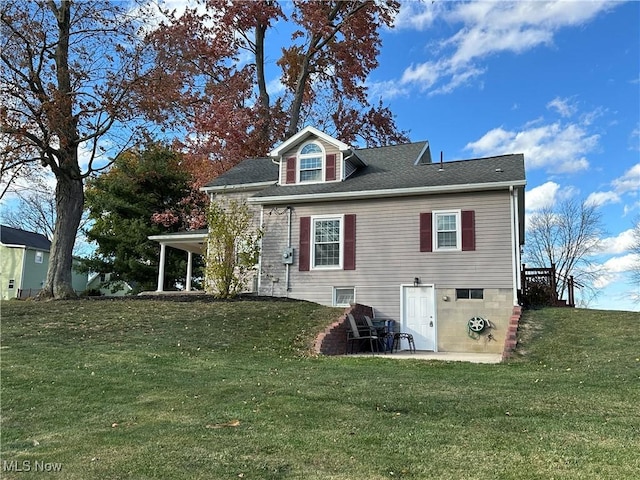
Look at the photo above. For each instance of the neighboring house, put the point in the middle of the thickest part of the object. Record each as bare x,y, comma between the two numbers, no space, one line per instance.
429,245
24,260
98,282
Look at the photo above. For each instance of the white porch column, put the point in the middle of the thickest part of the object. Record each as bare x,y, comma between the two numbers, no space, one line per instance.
189,270
163,251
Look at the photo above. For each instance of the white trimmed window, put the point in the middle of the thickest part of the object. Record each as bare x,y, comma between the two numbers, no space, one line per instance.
310,163
39,257
344,296
447,233
326,238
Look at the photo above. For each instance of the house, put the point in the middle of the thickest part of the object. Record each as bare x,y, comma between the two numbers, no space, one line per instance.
24,260
434,246
99,283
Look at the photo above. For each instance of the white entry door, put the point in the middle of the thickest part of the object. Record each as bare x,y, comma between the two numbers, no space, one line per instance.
418,315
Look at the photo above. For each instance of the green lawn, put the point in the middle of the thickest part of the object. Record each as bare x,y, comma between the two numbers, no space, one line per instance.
139,389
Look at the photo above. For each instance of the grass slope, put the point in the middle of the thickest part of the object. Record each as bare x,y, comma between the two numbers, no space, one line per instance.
142,389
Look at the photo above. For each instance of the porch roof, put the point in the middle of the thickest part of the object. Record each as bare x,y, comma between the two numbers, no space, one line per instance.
188,241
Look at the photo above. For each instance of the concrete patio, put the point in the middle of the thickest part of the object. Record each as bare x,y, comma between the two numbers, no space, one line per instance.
441,356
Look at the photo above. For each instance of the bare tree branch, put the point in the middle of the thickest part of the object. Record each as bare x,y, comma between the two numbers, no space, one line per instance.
567,235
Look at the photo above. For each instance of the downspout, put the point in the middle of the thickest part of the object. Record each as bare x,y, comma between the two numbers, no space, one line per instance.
288,266
347,158
260,256
278,161
514,243
518,239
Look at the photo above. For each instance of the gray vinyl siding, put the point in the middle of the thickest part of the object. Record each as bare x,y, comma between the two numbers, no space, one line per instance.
328,150
242,196
388,250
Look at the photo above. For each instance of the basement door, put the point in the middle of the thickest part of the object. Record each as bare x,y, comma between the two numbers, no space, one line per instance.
418,315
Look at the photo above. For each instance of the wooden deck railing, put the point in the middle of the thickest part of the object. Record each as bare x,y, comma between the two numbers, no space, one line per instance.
549,278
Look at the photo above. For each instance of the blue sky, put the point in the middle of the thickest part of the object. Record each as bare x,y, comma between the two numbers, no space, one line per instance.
558,81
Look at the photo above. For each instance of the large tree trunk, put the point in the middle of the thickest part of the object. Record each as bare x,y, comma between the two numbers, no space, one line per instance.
298,96
69,183
69,205
263,98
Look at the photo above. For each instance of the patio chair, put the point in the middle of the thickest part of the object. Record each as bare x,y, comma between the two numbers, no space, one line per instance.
393,339
360,333
386,337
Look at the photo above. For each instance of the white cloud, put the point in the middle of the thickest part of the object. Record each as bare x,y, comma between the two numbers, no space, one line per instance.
621,264
563,106
417,15
542,196
604,279
487,28
555,147
424,74
630,208
589,117
275,86
629,182
613,270
619,244
387,90
601,198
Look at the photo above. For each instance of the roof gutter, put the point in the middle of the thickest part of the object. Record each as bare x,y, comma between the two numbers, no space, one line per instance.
26,247
174,237
237,188
394,192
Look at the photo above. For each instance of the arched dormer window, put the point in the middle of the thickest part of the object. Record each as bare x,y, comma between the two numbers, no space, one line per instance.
310,163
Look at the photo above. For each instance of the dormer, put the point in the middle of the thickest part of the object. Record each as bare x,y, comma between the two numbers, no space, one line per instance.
312,156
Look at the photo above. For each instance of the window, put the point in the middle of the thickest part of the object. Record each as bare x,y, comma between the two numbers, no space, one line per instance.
469,294
447,230
344,296
311,161
39,257
12,283
326,237
327,242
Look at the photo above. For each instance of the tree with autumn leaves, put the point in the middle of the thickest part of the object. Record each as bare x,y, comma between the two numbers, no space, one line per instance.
73,74
323,67
82,76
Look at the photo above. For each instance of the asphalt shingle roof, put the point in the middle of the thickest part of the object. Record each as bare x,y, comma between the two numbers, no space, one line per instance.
14,236
387,168
251,170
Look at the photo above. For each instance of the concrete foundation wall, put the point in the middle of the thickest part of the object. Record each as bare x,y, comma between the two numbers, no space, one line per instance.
453,317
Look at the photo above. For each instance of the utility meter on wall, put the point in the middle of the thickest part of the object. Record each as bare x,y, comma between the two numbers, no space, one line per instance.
287,256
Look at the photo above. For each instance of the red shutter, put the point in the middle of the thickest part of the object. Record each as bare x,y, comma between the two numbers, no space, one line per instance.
426,238
330,167
305,244
291,170
468,230
349,258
